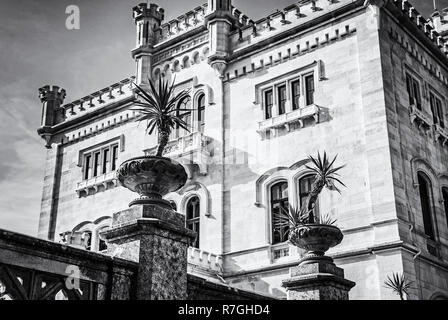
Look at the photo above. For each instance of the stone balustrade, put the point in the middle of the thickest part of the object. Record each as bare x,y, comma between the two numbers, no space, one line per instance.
189,149
95,184
205,260
287,119
421,118
185,144
441,134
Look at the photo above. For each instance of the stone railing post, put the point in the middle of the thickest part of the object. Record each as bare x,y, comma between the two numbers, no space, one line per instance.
317,277
318,280
156,238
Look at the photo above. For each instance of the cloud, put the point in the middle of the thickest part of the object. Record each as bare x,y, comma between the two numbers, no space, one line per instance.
21,190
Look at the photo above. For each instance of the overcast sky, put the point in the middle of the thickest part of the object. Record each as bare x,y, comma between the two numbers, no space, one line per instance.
36,49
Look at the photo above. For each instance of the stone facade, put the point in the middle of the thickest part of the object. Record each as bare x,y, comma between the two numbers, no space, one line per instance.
358,55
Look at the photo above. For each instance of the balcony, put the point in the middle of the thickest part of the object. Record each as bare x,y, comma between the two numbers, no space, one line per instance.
189,149
286,120
204,262
420,118
440,134
96,184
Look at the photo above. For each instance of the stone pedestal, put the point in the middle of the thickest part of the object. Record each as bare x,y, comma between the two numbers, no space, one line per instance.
157,239
318,279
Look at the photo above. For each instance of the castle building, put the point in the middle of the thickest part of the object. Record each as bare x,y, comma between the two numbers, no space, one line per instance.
363,79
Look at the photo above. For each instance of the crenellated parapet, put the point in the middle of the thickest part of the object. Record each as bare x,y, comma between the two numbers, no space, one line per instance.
281,20
147,18
52,93
430,28
180,25
111,94
192,20
439,20
152,11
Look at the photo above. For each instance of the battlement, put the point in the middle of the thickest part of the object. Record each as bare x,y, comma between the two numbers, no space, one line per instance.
439,21
153,11
192,20
429,29
52,93
115,92
301,12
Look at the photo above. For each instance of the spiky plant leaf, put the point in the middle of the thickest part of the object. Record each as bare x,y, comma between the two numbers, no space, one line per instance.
158,107
328,220
326,176
400,284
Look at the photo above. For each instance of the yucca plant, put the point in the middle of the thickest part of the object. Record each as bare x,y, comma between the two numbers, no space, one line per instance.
325,177
290,217
294,217
158,106
400,284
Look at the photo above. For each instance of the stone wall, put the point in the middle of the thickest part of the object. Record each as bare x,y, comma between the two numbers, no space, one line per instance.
414,148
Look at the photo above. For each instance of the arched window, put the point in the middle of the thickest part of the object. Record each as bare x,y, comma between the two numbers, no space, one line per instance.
185,103
425,200
445,202
305,185
279,202
201,112
193,217
102,246
87,240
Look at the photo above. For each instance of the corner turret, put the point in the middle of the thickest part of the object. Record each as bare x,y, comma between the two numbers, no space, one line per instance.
147,18
52,98
219,22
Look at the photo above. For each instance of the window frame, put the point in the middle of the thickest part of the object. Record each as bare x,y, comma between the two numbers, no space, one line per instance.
200,111
437,109
306,91
287,82
268,115
295,105
179,132
90,167
194,221
315,214
414,80
445,202
427,211
281,103
281,201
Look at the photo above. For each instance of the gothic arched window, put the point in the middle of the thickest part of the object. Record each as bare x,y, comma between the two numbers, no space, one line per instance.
193,217
185,103
279,203
87,240
425,200
445,201
102,245
201,112
305,185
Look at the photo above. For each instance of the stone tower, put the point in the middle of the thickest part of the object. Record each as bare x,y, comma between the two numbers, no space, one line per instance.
219,22
147,19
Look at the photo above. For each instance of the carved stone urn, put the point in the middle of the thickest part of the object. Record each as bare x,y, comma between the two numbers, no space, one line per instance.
151,177
316,239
